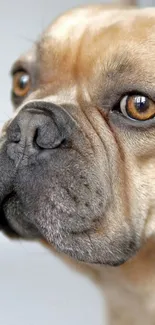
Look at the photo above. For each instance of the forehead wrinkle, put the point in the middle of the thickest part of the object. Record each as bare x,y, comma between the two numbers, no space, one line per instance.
58,44
70,27
73,23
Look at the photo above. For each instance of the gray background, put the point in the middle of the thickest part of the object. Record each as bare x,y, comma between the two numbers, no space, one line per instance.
36,288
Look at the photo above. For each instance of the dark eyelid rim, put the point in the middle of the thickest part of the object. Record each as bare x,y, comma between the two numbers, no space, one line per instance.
119,119
18,66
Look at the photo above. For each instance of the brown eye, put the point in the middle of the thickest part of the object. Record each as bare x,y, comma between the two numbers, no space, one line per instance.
21,83
137,107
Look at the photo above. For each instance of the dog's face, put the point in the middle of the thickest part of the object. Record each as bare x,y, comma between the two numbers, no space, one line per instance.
77,160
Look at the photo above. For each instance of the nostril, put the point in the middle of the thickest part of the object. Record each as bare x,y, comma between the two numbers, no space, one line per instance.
48,136
36,142
14,133
35,138
40,127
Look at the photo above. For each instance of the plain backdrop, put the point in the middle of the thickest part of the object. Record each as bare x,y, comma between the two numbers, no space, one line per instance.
36,288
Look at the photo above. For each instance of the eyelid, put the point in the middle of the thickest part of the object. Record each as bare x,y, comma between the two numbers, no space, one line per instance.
16,70
19,66
117,119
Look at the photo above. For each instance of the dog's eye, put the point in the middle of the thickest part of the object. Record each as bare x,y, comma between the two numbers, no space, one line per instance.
21,83
137,107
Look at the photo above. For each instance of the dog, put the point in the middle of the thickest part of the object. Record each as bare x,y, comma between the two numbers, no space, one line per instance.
77,158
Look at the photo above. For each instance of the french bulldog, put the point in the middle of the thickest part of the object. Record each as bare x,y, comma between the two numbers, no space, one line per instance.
77,158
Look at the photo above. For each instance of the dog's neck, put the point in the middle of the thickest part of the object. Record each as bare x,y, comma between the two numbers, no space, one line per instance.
130,289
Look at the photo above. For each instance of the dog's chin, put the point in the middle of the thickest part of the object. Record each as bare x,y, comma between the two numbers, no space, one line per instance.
88,246
91,248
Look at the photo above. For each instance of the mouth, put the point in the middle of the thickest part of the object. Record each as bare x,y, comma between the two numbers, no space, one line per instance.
90,245
69,242
15,228
4,224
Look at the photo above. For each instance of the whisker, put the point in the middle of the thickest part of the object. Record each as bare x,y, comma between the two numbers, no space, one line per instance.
32,41
7,115
90,239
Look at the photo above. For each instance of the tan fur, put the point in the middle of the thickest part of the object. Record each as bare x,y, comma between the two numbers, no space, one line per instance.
130,288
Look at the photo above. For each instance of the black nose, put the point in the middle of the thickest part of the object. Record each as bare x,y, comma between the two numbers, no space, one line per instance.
39,125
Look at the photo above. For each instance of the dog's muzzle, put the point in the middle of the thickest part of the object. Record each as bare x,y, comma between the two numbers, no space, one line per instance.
35,132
